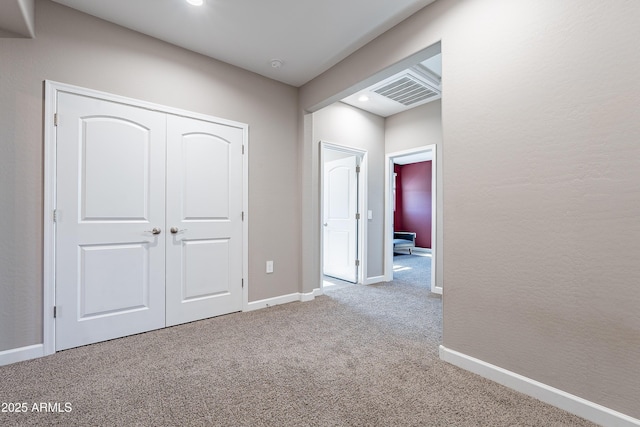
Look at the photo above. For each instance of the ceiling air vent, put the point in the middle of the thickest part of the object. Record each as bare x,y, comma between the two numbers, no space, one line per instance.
407,90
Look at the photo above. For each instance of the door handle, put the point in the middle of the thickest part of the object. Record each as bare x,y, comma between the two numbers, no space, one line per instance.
325,224
155,230
175,230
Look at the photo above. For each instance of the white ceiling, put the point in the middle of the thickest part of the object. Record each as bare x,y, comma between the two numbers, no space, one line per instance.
308,36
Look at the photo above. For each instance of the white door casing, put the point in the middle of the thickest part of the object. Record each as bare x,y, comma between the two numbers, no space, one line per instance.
110,196
106,166
388,227
204,219
340,225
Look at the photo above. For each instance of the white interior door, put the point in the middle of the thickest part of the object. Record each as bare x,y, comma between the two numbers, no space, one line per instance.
204,219
110,276
340,226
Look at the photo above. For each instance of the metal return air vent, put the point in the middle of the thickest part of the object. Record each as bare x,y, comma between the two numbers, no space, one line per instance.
407,90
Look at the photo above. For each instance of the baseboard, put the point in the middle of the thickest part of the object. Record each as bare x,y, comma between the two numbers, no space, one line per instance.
311,295
374,280
283,299
21,354
576,405
14,355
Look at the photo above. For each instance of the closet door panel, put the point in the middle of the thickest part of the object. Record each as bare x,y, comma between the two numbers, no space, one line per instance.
110,195
204,219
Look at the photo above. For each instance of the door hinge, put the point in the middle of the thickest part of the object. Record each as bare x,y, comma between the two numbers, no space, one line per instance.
357,263
357,169
358,215
243,215
55,311
55,119
243,149
55,215
243,283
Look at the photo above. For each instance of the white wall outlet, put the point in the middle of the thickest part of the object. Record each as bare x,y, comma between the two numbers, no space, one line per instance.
269,266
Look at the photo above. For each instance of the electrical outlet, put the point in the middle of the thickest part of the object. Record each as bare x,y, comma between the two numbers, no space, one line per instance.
269,266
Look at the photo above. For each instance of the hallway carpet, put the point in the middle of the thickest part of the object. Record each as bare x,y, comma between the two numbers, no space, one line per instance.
357,356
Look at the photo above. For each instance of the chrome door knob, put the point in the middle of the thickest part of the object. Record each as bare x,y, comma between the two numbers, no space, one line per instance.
176,230
154,230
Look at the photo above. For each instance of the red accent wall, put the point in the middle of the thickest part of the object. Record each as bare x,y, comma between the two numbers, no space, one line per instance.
413,201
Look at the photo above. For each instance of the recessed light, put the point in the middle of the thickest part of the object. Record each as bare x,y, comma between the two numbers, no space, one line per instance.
196,2
363,98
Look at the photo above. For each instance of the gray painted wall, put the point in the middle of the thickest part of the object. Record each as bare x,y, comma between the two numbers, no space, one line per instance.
344,125
541,175
415,128
74,48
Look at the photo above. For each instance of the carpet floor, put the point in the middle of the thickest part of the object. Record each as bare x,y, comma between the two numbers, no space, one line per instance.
356,356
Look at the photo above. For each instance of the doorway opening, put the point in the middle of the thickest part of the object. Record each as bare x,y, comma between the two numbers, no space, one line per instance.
402,234
343,201
413,130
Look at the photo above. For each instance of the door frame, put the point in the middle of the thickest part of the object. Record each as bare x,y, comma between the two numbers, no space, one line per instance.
388,221
51,89
362,207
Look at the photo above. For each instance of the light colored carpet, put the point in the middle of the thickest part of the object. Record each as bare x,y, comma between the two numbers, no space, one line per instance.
358,356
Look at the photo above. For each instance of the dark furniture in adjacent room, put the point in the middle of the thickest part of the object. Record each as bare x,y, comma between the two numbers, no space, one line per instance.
404,240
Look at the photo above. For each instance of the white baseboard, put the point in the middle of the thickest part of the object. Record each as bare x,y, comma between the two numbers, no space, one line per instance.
576,405
283,299
311,295
20,354
34,351
374,280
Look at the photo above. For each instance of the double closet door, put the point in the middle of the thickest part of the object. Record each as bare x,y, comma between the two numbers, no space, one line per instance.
148,219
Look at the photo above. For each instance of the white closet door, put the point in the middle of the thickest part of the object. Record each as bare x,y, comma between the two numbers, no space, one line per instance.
340,226
110,275
204,212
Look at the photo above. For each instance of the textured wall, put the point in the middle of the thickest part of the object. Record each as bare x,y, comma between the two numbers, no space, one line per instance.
541,163
74,48
414,128
344,125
